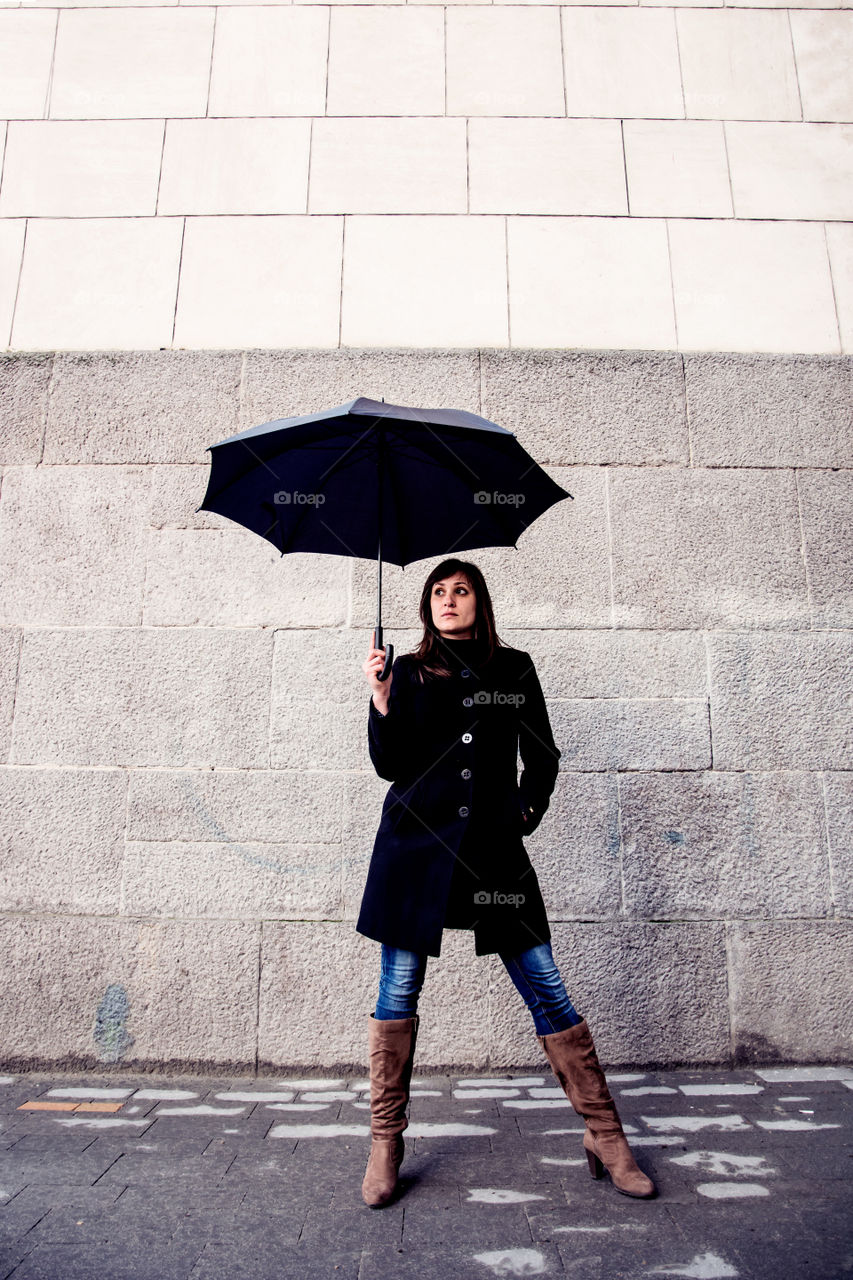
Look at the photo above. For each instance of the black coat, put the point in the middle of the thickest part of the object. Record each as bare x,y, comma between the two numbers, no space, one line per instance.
451,827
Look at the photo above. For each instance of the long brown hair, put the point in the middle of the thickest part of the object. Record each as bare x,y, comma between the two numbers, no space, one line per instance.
429,656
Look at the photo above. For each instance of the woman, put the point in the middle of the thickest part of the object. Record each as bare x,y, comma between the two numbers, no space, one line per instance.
445,730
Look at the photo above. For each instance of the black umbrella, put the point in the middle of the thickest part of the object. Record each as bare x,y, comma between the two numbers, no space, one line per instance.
373,479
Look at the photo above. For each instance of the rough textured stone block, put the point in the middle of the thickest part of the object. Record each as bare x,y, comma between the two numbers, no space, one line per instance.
615,664
362,797
238,879
770,410
791,990
73,545
704,548
319,984
839,816
176,492
238,805
144,697
282,384
578,581
781,702
575,851
150,406
232,578
63,832
651,993
159,992
589,406
826,501
598,733
724,844
10,641
24,381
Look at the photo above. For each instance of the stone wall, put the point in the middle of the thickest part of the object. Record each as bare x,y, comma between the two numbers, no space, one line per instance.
187,801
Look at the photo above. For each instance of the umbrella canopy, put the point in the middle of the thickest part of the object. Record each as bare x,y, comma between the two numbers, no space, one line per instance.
369,479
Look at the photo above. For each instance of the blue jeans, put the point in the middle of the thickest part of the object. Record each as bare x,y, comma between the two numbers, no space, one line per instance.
534,973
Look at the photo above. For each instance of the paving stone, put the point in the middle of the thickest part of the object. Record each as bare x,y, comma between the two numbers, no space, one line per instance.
224,1262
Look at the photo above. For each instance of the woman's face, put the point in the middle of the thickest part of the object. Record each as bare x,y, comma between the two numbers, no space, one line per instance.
454,607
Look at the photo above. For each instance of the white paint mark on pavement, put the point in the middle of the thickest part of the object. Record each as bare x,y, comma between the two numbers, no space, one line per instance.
203,1109
319,1130
464,1094
79,1091
318,1083
329,1097
99,1122
692,1124
705,1266
538,1104
513,1262
520,1082
448,1130
795,1126
561,1160
164,1095
306,1106
711,1090
731,1190
804,1075
424,1093
645,1140
500,1195
253,1097
724,1164
644,1089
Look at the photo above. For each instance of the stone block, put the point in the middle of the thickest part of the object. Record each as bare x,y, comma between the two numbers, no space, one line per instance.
615,664
545,165
230,577
621,62
839,242
575,851
781,702
752,286
281,384
826,502
578,580
362,796
424,280
63,838
700,845
81,168
769,410
677,169
589,406
319,983
388,165
176,492
737,64
234,807
823,48
235,166
652,993
839,818
162,993
154,406
11,257
269,61
589,282
10,643
597,734
78,274
24,381
383,61
244,880
790,170
73,545
791,990
154,696
706,548
27,39
504,61
129,62
260,281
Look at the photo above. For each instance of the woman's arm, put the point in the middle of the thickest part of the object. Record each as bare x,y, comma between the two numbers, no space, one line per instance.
539,753
386,732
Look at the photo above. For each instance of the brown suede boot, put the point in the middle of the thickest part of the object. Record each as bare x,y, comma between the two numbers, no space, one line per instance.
574,1062
391,1049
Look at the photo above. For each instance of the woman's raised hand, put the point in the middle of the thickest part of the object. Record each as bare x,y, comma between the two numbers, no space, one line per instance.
371,667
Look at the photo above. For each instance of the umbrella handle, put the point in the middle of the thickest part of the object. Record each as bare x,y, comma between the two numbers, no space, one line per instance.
389,656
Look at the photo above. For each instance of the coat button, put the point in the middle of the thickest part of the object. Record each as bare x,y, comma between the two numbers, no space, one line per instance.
465,672
466,737
466,773
463,812
467,702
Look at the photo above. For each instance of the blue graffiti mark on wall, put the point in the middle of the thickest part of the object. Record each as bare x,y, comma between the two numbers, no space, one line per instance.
214,826
110,1034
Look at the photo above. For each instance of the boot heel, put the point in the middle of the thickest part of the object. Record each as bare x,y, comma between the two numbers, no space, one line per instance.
596,1168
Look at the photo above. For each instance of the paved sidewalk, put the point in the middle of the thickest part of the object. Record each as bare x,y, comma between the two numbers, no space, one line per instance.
240,1179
